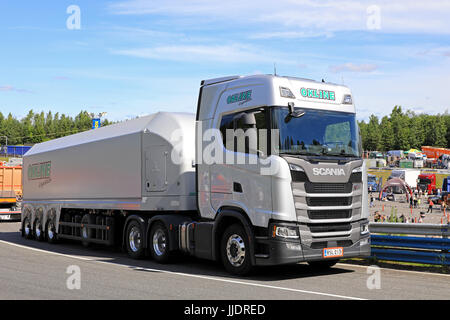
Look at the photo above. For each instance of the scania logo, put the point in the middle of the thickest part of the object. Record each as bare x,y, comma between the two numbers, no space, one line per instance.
328,172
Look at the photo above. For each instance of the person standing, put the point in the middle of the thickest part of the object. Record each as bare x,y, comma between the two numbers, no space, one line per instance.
430,206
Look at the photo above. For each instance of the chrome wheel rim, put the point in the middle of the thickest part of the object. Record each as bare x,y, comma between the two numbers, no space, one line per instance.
27,228
235,250
38,230
135,239
159,242
50,232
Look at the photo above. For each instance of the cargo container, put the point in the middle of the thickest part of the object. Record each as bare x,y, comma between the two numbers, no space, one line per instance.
10,192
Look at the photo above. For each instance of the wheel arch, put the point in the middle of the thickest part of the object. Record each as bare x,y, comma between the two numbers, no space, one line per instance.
225,217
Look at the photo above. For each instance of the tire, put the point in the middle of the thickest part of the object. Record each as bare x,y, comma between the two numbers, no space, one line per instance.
323,264
50,232
235,250
134,240
159,243
27,230
38,230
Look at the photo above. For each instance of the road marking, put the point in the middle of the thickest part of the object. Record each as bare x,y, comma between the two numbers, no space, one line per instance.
396,270
186,274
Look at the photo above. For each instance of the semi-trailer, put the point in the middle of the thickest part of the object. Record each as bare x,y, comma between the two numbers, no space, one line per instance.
10,192
269,171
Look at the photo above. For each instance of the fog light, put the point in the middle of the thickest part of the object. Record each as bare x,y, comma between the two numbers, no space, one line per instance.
293,246
365,241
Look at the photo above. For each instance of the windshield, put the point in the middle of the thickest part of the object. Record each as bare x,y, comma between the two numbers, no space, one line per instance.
372,179
424,181
316,132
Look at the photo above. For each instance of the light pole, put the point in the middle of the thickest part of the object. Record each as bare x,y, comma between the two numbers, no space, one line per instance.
6,151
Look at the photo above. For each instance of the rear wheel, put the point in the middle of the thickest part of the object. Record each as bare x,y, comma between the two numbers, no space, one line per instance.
51,232
38,231
159,243
235,250
26,228
134,240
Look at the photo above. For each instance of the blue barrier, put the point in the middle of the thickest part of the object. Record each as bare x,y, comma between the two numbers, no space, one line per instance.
14,150
411,249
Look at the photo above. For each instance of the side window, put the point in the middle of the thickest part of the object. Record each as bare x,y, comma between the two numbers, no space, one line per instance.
245,132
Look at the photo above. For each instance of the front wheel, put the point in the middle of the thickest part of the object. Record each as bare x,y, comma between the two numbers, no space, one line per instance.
235,250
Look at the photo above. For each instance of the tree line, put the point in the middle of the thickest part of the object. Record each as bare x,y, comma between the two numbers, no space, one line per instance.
403,130
40,127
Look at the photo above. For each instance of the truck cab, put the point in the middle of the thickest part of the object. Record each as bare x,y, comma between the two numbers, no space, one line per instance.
285,154
427,182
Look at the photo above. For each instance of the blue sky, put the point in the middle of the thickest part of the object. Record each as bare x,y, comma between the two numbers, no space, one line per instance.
137,57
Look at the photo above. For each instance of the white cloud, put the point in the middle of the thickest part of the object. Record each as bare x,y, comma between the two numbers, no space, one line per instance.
8,88
351,67
236,53
290,35
407,16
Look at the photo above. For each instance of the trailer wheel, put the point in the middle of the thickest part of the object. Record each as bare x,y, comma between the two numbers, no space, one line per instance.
51,232
38,230
323,264
234,250
134,240
159,243
26,228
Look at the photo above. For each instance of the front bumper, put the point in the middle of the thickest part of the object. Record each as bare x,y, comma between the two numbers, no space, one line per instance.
279,252
10,216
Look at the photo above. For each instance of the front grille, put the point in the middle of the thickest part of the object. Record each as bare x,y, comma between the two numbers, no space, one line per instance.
328,202
332,227
314,187
324,244
329,214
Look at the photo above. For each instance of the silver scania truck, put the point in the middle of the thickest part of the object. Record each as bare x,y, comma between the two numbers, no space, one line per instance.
269,171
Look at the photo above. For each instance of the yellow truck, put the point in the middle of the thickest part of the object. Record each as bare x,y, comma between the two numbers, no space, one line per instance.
10,192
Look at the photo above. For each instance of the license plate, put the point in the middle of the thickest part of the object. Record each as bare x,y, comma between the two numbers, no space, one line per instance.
5,217
333,252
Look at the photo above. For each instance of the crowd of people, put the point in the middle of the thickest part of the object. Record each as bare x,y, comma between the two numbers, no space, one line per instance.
417,200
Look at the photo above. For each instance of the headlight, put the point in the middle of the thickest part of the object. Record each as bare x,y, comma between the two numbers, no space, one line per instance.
365,228
285,232
295,167
356,170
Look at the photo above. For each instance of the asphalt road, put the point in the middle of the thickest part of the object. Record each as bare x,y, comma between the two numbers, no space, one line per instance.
38,270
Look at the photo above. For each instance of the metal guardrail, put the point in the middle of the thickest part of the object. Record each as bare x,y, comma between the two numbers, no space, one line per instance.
425,249
423,229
